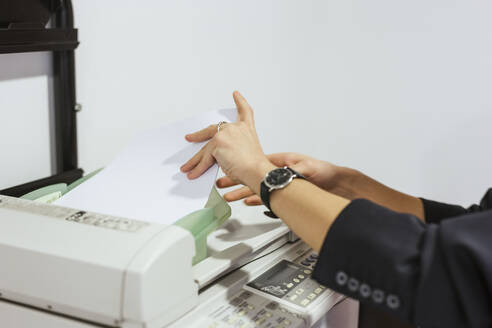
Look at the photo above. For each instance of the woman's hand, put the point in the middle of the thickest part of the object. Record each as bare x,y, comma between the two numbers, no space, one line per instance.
235,147
323,174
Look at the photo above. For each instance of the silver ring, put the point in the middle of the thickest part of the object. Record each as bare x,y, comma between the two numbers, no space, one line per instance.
220,125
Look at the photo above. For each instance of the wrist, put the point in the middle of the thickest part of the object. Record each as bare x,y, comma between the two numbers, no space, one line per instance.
257,173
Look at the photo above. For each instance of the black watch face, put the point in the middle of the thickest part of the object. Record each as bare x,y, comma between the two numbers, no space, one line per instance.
278,177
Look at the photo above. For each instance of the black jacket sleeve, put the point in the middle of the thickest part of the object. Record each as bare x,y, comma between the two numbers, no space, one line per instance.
435,212
426,274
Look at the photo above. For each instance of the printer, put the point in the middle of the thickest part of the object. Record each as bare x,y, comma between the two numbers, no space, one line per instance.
71,268
65,267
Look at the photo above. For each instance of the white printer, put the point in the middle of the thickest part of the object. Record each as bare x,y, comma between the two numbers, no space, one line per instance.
65,267
70,268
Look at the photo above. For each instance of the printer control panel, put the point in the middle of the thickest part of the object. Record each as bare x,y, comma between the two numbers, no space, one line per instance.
281,295
290,283
278,298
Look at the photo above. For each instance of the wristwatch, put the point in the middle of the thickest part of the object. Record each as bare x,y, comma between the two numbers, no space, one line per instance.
276,179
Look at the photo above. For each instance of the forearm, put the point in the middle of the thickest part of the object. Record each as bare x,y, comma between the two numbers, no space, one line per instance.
354,184
307,210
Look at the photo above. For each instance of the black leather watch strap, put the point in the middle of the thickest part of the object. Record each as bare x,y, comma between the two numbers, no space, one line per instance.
265,198
265,193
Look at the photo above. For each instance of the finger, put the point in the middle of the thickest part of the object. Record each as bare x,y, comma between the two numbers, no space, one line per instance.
253,201
203,134
244,110
207,161
237,194
226,182
192,162
281,159
302,168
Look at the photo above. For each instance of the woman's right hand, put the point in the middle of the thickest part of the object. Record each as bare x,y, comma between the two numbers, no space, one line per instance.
323,174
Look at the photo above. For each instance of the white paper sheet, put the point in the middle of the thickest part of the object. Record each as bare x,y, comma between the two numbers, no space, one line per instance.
144,181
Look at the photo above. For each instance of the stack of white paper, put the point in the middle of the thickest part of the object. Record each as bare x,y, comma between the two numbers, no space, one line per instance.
145,182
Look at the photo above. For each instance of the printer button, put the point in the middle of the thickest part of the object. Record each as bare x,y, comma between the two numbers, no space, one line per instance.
305,302
245,295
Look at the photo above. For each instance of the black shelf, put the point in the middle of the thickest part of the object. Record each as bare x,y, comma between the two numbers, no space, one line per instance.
36,25
28,40
47,25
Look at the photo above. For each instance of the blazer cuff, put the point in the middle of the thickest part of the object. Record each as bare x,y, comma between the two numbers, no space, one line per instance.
435,212
366,255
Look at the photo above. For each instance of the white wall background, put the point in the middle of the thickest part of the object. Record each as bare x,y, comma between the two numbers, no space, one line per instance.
399,90
25,82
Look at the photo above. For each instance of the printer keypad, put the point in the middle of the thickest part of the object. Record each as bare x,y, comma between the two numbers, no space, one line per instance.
289,282
266,301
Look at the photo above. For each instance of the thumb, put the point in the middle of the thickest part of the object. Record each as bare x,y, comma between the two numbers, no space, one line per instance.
302,168
283,159
244,110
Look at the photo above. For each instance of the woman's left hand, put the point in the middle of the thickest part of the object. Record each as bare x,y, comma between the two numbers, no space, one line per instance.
235,147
